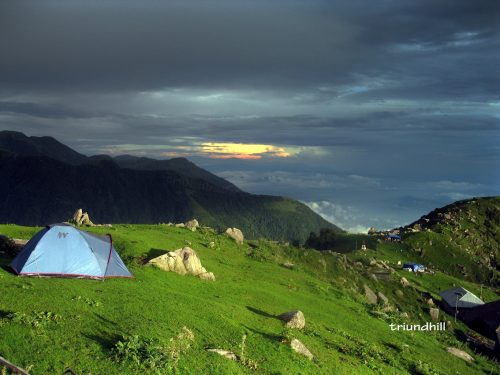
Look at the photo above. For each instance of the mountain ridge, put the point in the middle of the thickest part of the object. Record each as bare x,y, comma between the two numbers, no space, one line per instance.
40,189
20,144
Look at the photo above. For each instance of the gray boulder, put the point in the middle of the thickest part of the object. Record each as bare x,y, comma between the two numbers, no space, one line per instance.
434,313
192,225
293,319
224,353
300,348
460,354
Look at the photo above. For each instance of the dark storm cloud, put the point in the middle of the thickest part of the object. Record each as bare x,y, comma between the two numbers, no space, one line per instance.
43,111
125,45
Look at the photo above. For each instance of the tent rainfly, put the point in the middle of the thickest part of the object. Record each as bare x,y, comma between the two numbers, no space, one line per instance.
65,251
460,298
413,267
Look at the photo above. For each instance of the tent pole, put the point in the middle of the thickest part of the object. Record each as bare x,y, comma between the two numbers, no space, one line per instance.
12,367
109,256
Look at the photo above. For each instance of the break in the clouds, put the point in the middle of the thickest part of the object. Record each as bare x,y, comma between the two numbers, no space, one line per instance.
371,113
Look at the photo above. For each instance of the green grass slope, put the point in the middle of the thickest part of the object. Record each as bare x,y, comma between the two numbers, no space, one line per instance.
462,239
49,324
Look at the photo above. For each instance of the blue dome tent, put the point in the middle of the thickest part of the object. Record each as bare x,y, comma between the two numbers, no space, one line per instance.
65,251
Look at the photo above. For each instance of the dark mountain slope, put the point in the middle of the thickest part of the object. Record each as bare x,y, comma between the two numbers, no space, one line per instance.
179,165
40,190
20,144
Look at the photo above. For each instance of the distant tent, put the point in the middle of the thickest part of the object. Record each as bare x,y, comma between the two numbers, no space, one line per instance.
63,250
459,298
414,267
393,237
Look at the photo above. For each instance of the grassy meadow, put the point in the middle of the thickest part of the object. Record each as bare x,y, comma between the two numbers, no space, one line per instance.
50,324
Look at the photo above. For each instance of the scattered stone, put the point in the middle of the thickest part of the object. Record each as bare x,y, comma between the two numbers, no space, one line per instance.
404,282
380,314
19,243
293,319
388,308
288,265
300,348
180,225
404,315
460,354
374,277
399,293
430,302
449,326
225,353
383,298
211,244
434,312
192,225
235,234
370,295
182,261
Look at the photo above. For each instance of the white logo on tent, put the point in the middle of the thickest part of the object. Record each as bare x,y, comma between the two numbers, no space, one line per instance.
62,235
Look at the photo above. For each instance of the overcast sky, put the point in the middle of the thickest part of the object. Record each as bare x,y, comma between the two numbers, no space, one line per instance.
371,112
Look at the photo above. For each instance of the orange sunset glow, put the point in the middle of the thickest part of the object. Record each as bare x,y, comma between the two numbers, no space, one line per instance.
242,151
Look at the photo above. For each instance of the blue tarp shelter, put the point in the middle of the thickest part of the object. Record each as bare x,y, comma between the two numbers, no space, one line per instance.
415,267
393,237
65,251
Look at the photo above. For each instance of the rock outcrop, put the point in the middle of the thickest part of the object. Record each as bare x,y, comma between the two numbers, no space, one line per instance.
293,319
370,295
235,234
183,261
81,218
192,225
383,298
460,354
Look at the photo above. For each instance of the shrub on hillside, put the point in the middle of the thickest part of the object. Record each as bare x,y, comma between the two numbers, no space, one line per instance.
152,354
325,240
7,247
